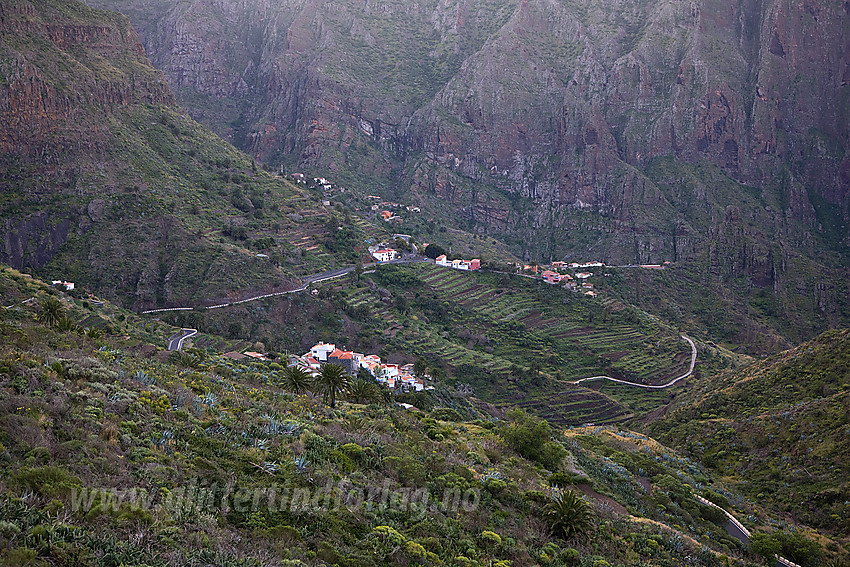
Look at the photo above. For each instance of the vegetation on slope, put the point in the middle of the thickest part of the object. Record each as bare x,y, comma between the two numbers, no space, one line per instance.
108,184
113,455
777,430
510,340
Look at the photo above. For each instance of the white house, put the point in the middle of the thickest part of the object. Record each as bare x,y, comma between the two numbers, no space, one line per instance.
388,372
584,275
441,260
384,255
67,285
321,351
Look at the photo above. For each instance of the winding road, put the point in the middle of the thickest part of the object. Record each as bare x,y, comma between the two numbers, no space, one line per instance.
176,341
649,386
312,279
737,530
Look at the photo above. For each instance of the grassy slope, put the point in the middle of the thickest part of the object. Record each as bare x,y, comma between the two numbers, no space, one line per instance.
777,429
513,340
149,194
79,413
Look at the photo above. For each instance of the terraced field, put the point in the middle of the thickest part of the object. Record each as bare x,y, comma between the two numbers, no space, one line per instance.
520,342
623,348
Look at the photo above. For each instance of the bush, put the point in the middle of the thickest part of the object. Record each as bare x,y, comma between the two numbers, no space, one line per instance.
446,414
434,250
45,481
531,438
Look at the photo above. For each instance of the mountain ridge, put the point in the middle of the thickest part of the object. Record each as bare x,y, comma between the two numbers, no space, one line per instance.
635,134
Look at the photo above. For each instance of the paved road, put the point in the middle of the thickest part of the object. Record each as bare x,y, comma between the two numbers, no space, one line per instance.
648,386
737,530
176,342
312,279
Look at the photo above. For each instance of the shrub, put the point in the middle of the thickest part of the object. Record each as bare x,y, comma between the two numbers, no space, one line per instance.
531,438
45,481
446,414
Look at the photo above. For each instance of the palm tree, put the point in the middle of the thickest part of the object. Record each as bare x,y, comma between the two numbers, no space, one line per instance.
568,515
66,325
51,311
362,391
332,380
295,379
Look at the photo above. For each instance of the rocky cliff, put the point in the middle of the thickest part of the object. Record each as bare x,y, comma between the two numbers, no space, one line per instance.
710,132
106,182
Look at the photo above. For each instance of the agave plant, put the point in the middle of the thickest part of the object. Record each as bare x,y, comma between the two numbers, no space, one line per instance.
301,464
144,378
217,429
492,475
568,515
291,428
164,440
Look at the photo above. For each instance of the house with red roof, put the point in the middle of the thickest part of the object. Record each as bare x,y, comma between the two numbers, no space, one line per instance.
384,255
551,277
345,358
321,351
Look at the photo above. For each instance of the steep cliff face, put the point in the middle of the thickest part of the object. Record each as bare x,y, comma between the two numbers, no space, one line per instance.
630,131
48,88
104,179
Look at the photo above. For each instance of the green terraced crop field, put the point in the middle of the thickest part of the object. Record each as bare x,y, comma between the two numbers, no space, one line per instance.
518,341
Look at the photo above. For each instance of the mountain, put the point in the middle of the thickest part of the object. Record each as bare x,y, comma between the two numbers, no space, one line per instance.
113,452
709,135
107,182
776,429
131,199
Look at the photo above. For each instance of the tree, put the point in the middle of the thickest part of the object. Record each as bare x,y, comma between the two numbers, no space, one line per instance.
295,379
568,515
363,391
331,381
420,367
51,311
530,437
793,546
402,304
433,250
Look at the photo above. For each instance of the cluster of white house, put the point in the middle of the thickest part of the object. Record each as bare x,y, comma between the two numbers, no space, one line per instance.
473,264
391,375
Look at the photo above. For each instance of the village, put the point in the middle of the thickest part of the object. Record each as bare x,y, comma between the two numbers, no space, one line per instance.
393,376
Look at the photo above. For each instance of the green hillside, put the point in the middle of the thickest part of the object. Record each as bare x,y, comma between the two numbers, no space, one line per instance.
108,184
777,430
513,341
112,453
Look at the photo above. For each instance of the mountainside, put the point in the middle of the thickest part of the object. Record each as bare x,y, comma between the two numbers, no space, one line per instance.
712,135
112,453
107,183
777,429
